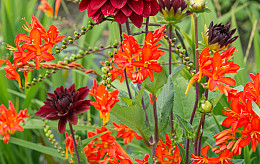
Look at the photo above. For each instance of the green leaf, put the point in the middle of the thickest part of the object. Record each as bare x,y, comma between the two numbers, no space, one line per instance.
30,94
139,95
183,103
256,108
187,37
237,161
158,82
134,117
185,125
182,152
34,146
37,124
86,141
164,103
242,76
127,100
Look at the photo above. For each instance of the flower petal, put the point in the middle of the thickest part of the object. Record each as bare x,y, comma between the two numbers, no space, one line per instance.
118,3
62,125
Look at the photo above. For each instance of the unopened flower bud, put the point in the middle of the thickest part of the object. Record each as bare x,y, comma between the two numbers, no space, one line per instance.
197,5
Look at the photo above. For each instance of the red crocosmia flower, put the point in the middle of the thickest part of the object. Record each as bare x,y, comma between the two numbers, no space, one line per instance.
104,100
119,153
144,161
52,37
126,133
12,73
37,50
69,145
165,150
176,156
239,115
120,9
224,157
64,105
10,120
96,149
46,8
148,63
152,39
204,159
252,133
130,51
219,69
57,7
227,140
2,61
253,89
215,67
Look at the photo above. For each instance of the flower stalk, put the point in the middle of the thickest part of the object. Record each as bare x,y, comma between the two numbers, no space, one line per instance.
126,80
197,84
170,72
74,142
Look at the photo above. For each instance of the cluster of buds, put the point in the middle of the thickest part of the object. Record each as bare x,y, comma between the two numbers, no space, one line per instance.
77,35
51,137
182,53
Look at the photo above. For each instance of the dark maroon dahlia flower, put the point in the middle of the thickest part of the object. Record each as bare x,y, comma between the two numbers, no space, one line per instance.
120,9
64,105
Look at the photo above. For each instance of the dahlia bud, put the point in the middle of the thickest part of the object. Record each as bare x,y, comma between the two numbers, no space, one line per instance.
173,10
197,5
218,37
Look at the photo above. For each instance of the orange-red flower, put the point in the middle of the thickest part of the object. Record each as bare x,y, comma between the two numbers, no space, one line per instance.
10,120
11,73
45,6
52,37
144,161
126,133
253,89
215,67
252,133
224,157
139,62
2,61
165,150
36,49
105,149
204,159
69,145
104,100
47,9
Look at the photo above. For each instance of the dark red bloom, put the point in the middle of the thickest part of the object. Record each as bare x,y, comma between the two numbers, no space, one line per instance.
64,105
120,9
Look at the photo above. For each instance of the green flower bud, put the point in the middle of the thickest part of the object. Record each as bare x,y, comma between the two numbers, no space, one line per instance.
197,5
104,70
206,106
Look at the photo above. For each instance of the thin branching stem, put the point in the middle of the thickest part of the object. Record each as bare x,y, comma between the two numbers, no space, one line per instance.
74,142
